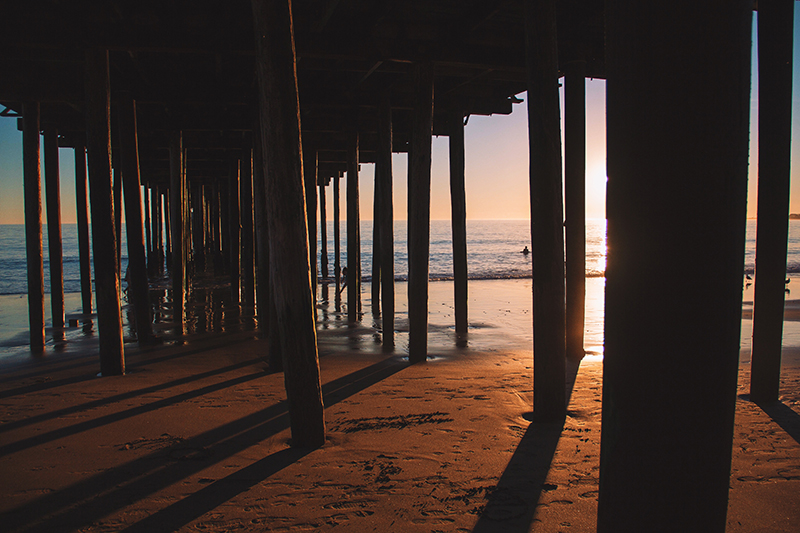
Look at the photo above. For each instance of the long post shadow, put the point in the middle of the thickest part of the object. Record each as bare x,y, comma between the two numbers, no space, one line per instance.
101,495
784,416
511,506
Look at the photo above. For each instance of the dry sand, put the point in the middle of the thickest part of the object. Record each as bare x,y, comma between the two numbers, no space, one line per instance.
195,438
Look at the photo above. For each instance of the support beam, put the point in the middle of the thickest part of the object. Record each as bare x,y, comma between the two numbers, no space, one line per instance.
32,175
82,215
458,207
104,239
775,42
547,218
147,229
310,183
177,183
419,213
290,268
337,266
323,233
575,199
248,238
54,245
138,289
353,232
117,186
235,232
677,192
375,285
385,219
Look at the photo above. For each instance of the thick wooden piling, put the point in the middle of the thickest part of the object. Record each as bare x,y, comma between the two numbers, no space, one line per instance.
310,183
32,175
198,235
138,289
117,186
419,214
234,232
775,36
289,258
82,215
155,235
148,240
54,245
575,208
677,191
353,232
248,238
337,264
177,183
323,232
383,171
547,238
104,243
167,231
159,225
458,209
261,235
375,285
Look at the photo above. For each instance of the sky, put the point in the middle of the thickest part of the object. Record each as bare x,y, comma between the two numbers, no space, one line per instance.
496,164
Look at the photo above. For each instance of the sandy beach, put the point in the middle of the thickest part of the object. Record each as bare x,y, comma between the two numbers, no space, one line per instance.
195,436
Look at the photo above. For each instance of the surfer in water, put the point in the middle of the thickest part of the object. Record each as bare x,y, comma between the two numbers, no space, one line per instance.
525,251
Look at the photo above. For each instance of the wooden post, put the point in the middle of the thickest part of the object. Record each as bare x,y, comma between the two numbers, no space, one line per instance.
32,173
310,183
385,219
177,182
147,237
547,238
82,213
263,293
337,266
323,231
419,214
775,36
375,285
138,289
353,232
235,230
159,220
54,246
117,186
104,242
677,192
575,199
458,206
167,231
198,245
155,235
248,238
290,268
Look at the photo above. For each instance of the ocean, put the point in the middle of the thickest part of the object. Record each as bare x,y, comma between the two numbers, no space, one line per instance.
493,248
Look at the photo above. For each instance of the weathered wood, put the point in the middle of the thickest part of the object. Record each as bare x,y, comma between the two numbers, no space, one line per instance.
267,322
323,233
155,235
104,241
159,224
177,183
54,245
198,241
82,214
575,200
167,231
458,210
375,285
117,186
138,290
677,193
419,214
775,36
147,237
32,174
248,238
547,238
353,232
290,269
235,232
310,184
383,169
337,265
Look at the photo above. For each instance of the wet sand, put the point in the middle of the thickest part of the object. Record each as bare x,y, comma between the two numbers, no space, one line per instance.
195,436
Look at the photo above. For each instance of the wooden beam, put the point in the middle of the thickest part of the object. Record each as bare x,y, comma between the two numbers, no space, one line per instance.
248,237
54,245
82,215
178,228
775,42
32,174
104,239
419,214
458,205
385,219
547,218
353,280
289,259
